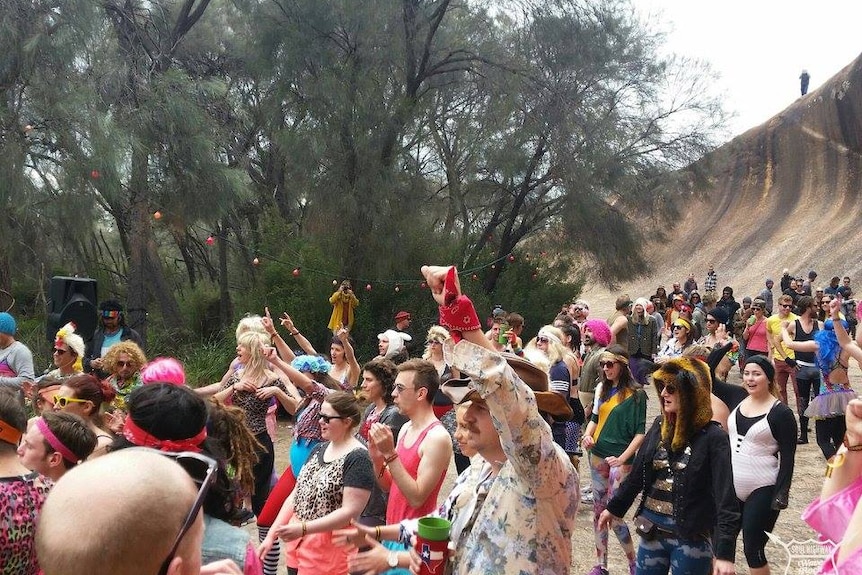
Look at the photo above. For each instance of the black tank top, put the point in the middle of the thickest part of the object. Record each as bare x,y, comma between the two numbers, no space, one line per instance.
800,335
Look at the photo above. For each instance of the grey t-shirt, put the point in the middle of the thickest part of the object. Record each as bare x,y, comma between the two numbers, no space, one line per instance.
16,365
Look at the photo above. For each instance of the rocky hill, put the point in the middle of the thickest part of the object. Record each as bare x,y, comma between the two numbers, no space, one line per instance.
785,194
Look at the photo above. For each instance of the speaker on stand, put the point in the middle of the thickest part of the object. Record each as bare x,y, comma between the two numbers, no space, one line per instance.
72,299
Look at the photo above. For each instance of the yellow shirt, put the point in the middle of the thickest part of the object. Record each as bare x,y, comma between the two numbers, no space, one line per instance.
773,329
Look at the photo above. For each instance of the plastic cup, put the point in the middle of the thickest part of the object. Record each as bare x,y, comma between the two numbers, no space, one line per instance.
432,545
434,529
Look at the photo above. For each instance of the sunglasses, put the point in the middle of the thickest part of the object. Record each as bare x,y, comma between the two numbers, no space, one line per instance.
59,351
787,305
123,363
202,470
678,326
542,339
60,401
402,388
669,388
711,320
578,309
756,308
110,313
328,418
607,364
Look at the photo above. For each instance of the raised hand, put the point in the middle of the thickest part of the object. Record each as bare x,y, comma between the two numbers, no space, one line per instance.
266,320
435,277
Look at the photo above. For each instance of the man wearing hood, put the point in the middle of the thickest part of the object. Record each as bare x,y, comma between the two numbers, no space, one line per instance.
730,306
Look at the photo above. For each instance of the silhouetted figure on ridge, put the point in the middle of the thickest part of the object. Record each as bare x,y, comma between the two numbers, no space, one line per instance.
803,81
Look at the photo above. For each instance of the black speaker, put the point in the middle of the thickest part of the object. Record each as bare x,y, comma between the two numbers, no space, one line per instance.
72,299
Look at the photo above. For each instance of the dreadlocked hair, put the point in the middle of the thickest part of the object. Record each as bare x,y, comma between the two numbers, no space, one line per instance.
228,428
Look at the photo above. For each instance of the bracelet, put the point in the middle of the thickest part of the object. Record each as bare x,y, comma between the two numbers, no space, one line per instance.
273,336
377,532
857,447
388,460
304,529
294,333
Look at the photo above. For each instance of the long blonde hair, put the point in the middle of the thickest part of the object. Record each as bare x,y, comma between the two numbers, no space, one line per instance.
257,364
436,333
556,348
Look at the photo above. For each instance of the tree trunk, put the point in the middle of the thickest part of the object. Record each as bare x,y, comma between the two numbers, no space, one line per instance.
225,306
146,275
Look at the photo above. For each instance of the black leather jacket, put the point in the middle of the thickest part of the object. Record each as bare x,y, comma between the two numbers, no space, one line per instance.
704,501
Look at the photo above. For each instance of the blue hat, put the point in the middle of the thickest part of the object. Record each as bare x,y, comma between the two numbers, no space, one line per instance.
7,324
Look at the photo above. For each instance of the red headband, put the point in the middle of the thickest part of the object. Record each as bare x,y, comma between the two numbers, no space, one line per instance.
9,434
55,442
141,438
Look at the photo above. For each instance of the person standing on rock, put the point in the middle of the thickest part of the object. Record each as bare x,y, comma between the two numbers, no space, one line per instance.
804,78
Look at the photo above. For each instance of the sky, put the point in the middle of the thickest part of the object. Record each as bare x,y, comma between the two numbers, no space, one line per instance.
760,47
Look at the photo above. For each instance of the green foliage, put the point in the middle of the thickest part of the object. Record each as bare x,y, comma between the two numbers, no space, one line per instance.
343,142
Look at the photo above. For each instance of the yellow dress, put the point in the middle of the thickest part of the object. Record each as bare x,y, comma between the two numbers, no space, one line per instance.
342,310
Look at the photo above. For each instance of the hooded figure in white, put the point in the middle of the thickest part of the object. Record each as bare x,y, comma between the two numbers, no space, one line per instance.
391,345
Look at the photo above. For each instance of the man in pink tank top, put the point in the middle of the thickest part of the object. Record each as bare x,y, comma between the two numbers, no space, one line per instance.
413,468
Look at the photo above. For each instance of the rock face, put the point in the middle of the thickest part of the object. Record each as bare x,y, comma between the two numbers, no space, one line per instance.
785,194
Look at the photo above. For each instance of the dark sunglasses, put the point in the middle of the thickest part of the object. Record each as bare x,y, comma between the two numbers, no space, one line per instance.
542,339
607,364
123,363
669,388
60,351
677,326
711,320
787,305
328,418
110,313
202,470
578,309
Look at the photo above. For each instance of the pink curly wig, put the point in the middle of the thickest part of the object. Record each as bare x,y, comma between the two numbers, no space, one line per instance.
164,370
601,331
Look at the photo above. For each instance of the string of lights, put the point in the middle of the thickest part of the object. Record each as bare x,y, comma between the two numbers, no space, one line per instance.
261,258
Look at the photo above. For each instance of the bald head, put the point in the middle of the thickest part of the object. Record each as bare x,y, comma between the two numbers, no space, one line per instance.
125,510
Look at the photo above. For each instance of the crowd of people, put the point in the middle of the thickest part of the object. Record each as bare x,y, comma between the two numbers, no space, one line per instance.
372,443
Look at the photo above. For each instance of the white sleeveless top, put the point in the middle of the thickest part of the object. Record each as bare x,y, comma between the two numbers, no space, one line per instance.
754,456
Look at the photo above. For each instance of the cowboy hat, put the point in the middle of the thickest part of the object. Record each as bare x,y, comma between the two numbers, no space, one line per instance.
459,390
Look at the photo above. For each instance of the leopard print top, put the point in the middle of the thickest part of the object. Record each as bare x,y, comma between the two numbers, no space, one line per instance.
320,485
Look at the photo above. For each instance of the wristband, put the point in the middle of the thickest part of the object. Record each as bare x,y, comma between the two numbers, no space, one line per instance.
294,333
377,532
304,529
857,447
390,459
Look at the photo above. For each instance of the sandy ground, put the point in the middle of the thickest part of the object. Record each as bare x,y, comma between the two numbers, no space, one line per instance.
807,481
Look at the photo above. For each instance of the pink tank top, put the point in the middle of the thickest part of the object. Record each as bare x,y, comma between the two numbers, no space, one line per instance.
398,508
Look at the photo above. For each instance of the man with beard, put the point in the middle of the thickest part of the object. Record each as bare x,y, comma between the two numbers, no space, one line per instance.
596,336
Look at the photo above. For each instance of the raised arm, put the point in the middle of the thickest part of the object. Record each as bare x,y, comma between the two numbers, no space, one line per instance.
304,344
844,339
280,345
296,377
350,356
525,436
